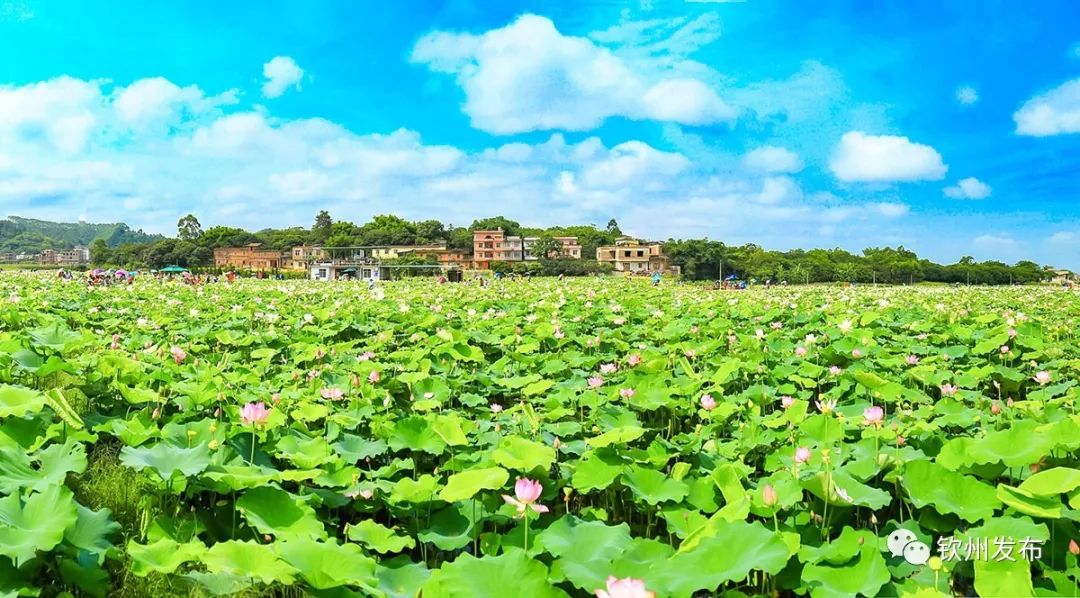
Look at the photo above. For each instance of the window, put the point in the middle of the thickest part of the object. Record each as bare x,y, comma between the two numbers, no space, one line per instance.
640,253
626,253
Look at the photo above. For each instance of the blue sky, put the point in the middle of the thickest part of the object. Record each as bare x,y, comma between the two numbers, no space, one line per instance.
950,129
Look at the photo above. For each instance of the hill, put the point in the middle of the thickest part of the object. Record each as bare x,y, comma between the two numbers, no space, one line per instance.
27,235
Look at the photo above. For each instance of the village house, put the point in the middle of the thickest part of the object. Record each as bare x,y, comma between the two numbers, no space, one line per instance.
305,255
633,256
249,257
496,246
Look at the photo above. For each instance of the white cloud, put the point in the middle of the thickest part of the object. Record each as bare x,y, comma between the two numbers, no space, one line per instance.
994,242
158,102
1056,112
768,158
967,95
969,188
1063,237
891,209
883,158
281,73
528,76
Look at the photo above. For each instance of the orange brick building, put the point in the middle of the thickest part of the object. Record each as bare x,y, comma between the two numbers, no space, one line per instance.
249,257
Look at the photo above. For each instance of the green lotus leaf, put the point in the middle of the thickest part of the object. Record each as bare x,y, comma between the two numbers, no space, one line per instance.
378,537
326,565
491,577
653,486
597,470
167,460
949,492
619,435
466,484
1049,482
713,561
844,487
1019,445
1003,578
422,489
162,556
1028,503
92,531
248,559
449,429
56,337
416,434
514,452
840,550
305,453
273,511
584,550
17,401
241,477
450,528
863,577
401,578
36,523
88,577
354,448
219,584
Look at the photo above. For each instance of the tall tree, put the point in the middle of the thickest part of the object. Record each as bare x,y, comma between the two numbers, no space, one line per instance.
188,228
613,227
510,227
546,247
320,231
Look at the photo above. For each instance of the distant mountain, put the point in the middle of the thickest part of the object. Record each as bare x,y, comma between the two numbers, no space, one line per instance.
27,235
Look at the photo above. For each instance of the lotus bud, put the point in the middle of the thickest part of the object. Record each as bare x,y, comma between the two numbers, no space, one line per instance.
156,414
995,408
213,427
769,496
861,540
873,519
268,537
217,412
191,433
276,397
213,444
1009,402
556,443
1074,548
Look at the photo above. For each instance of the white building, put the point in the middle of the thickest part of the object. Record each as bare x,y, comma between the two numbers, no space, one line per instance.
332,271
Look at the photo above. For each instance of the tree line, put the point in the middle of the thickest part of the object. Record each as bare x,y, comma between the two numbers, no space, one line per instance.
699,259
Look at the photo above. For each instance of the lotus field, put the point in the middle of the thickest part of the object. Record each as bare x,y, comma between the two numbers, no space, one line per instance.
536,438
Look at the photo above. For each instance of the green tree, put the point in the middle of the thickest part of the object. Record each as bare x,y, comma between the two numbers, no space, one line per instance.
100,254
613,227
546,247
188,228
320,231
510,227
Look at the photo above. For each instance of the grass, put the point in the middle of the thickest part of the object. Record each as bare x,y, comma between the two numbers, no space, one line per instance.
108,484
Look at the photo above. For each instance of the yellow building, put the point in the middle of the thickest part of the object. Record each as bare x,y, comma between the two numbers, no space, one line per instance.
633,256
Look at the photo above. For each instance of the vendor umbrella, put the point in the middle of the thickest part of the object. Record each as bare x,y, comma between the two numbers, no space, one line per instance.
173,269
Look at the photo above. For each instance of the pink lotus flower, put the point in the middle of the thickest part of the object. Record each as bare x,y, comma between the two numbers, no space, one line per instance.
800,351
802,454
1042,377
526,493
595,382
254,413
948,390
911,360
625,588
856,353
1005,349
834,370
319,353
995,408
115,342
845,326
495,407
873,415
1012,333
1009,402
374,377
633,359
776,325
768,495
365,356
275,398
626,393
331,394
708,403
786,401
608,368
1074,548
690,353
178,354
558,333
